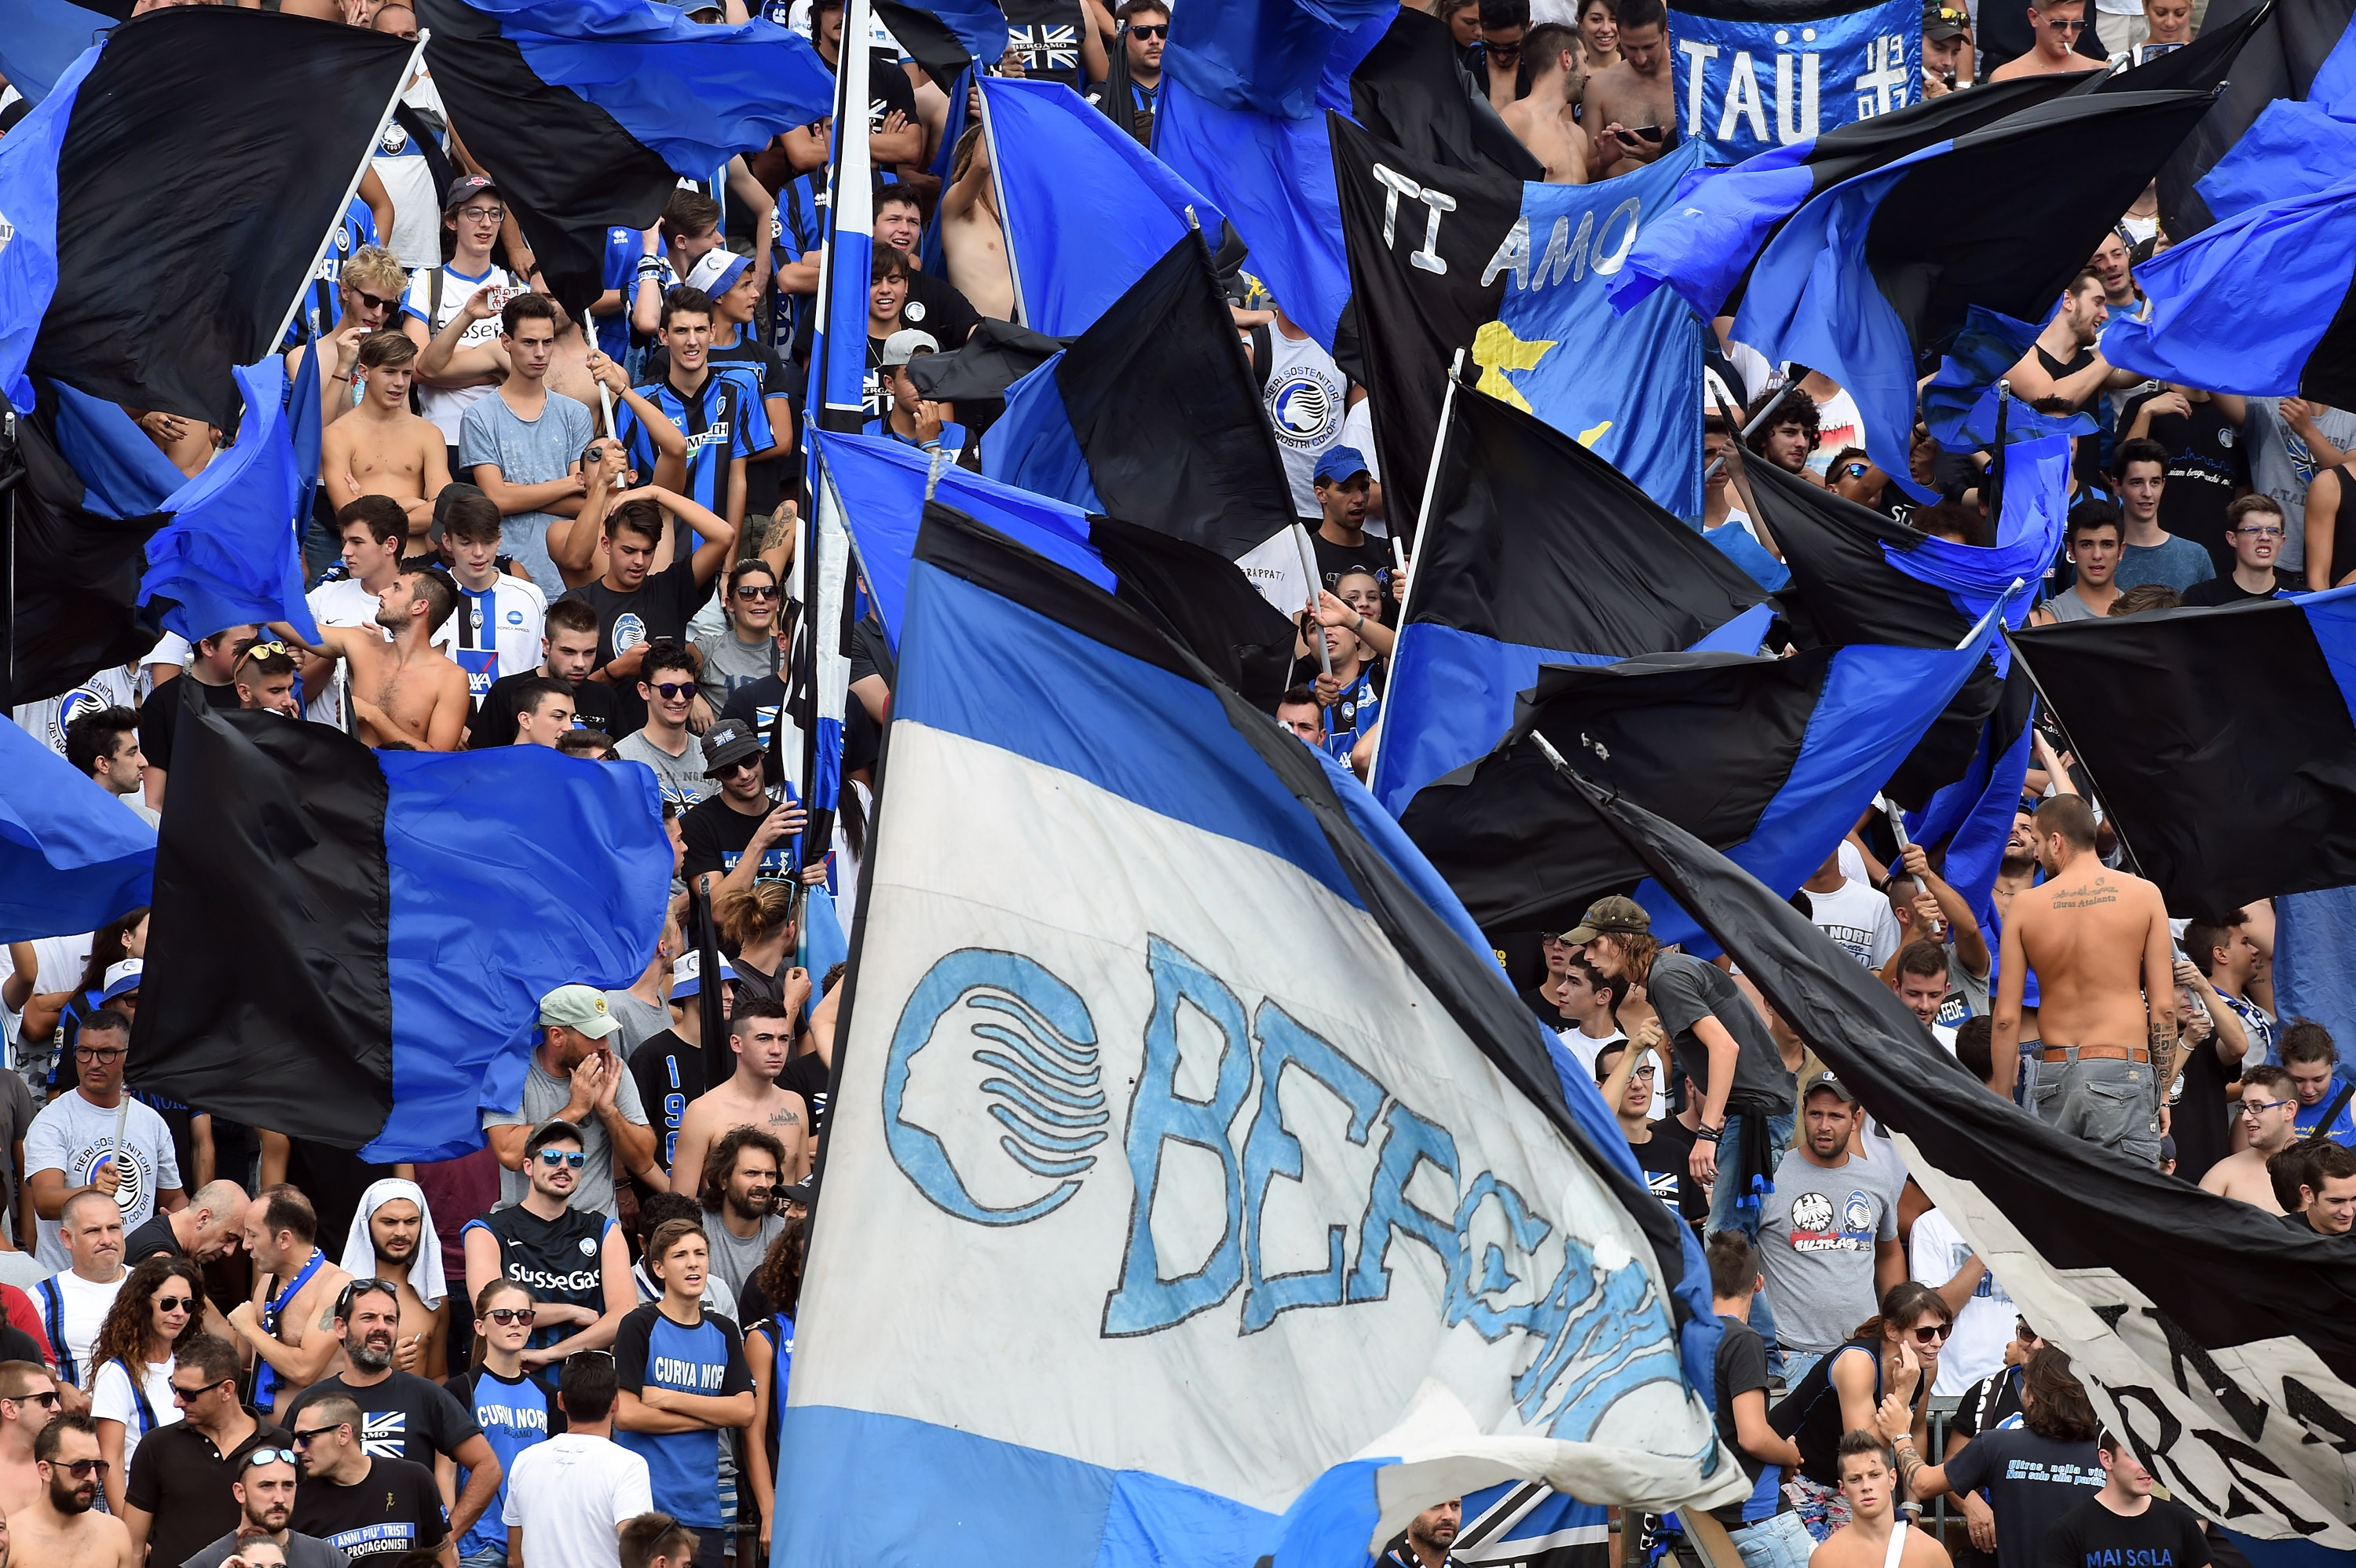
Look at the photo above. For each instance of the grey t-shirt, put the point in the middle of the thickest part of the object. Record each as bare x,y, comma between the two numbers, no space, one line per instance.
1816,1236
679,778
527,452
639,1020
2177,563
1684,990
302,1551
730,663
2067,606
736,1258
2281,464
544,1096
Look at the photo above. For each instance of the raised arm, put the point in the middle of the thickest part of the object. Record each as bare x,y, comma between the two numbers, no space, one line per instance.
1963,925
441,363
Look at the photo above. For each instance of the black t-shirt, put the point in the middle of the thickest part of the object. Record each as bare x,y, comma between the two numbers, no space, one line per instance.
2199,1120
2207,461
658,607
495,721
149,1240
395,1508
806,1075
2032,1481
1684,990
159,716
2222,589
2164,1535
669,1075
1665,1158
1987,1404
180,1478
939,306
1743,1367
1539,1003
716,835
403,1417
1370,554
756,703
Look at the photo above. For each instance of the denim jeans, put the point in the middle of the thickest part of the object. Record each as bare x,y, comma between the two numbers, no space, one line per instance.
1778,1541
1798,1364
496,1557
1723,1215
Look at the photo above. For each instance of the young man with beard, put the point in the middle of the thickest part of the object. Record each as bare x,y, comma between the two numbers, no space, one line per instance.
1143,26
1828,1232
575,1078
383,449
575,1260
569,652
1428,1535
406,689
178,1495
265,1492
370,533
2269,1108
58,1529
2253,532
290,1323
366,1506
391,1239
1542,121
2064,370
761,1034
402,1415
742,1174
736,836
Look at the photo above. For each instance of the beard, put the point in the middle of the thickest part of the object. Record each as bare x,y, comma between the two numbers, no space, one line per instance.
755,1206
369,1358
68,1495
2012,865
391,619
400,1250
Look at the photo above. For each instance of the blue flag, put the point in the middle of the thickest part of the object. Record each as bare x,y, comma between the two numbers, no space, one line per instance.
72,857
1628,387
28,198
1752,77
231,554
2254,304
123,474
1032,446
41,38
2295,146
1086,209
1959,403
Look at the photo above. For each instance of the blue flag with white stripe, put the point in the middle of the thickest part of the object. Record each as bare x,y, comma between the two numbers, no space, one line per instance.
1369,1251
72,857
1752,77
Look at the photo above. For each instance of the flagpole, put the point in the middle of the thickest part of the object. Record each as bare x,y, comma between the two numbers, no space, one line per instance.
2039,687
1761,418
1317,583
1741,480
1995,461
416,53
1422,521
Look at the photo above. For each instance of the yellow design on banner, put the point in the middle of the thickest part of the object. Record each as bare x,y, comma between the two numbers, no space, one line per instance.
1496,350
1590,436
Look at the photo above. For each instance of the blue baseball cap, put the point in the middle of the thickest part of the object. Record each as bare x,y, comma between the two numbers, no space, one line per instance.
122,977
1341,464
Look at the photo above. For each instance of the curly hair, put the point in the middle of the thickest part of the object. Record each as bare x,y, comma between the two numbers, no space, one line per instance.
780,1274
123,1336
1791,406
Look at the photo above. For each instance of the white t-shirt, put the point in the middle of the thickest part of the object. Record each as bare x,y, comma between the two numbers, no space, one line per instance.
445,406
1976,1347
416,235
46,720
70,1135
112,1401
1838,425
82,1306
497,632
1860,920
570,1495
1306,396
344,603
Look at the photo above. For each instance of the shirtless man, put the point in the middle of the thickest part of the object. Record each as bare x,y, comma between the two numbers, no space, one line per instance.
1869,1483
970,233
59,1529
291,1321
2270,1121
1542,121
2107,981
383,449
28,1401
1634,102
368,289
406,689
761,1034
2057,25
399,1225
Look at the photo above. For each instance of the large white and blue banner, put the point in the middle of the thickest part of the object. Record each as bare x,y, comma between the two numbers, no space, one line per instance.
1167,1182
1755,74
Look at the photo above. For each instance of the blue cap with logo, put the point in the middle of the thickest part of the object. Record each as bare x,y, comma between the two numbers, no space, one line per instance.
1340,464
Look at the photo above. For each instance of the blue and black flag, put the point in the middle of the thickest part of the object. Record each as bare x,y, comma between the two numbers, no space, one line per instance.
71,857
409,909
1770,760
588,113
1538,552
124,158
2285,122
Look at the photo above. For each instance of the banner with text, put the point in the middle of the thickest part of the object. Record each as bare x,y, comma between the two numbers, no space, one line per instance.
1754,74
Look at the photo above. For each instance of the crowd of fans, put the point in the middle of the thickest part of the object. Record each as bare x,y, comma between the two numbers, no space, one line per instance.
237,1345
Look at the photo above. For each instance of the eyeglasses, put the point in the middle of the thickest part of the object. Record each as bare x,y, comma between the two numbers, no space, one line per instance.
1645,1071
175,1303
482,214
305,1439
98,1053
363,297
2260,1107
2261,532
1138,30
200,1391
2061,27
503,1316
272,1455
750,592
80,1469
1933,1333
552,1158
360,1287
672,690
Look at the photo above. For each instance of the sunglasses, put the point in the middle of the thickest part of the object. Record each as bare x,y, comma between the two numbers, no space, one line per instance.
672,690
552,1158
364,297
263,650
771,591
305,1439
176,1303
741,764
81,1469
1933,1333
2060,27
198,1393
272,1455
46,1401
1140,31
503,1316
1854,470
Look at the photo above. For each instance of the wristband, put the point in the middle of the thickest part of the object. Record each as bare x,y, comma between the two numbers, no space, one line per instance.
339,375
1709,1134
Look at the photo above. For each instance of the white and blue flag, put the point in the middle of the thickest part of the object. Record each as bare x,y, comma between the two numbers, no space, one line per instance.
1198,1191
1755,74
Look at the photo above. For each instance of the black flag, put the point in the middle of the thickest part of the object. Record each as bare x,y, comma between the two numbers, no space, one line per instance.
2225,789
2234,1395
998,355
218,146
1412,90
2286,43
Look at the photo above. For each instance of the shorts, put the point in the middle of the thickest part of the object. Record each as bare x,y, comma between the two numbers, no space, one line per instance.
1781,1542
1821,1510
2112,1104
